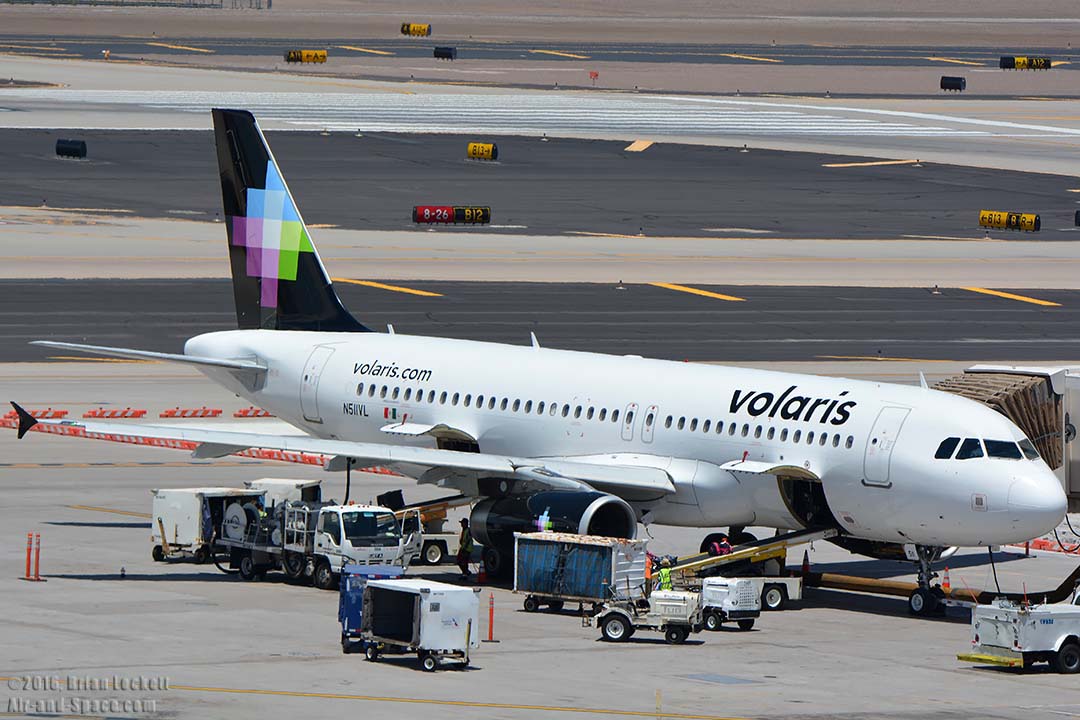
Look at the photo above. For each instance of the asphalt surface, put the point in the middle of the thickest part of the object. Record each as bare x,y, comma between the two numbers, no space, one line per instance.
773,323
90,47
372,182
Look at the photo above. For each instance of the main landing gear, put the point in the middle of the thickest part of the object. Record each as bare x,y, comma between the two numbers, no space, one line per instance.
925,600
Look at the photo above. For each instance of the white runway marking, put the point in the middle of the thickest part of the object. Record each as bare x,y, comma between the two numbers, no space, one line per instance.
513,113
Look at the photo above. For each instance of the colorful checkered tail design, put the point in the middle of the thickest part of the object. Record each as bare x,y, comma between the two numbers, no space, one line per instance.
279,282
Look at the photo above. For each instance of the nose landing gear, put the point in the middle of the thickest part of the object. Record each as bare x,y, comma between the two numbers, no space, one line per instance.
925,600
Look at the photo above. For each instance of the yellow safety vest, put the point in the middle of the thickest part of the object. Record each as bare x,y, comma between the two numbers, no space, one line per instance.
466,540
665,579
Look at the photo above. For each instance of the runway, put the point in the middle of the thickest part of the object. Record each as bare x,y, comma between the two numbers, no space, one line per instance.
566,186
794,324
420,48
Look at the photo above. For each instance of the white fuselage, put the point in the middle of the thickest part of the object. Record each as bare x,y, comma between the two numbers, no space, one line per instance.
871,444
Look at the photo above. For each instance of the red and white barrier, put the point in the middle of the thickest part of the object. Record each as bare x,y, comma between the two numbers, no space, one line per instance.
252,412
202,412
113,414
47,414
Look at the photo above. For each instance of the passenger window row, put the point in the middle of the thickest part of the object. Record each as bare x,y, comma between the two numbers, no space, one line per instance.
972,448
490,402
745,430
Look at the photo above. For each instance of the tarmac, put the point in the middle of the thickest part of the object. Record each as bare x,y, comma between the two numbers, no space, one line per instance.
725,324
271,649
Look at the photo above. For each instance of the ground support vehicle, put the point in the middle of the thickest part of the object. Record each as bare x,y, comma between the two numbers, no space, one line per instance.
730,600
184,520
440,545
1018,634
676,613
437,621
555,568
354,578
312,540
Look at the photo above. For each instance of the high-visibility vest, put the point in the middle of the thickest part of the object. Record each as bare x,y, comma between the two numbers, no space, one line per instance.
466,540
665,578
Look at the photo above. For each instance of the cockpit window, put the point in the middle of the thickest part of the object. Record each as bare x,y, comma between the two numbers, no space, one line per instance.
1002,449
971,448
1029,449
945,449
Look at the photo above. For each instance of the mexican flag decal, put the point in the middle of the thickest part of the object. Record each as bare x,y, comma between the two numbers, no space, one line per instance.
390,413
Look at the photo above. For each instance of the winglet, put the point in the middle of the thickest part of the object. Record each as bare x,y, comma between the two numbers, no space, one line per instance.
26,420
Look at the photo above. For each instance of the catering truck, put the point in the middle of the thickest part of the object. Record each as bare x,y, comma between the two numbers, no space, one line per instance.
313,540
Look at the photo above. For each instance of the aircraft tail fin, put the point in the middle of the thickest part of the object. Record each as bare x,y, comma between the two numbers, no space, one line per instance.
279,282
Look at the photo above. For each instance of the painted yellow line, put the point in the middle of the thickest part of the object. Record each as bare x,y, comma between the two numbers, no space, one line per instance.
83,358
1055,63
872,163
696,291
383,286
365,50
114,511
1010,296
638,146
654,713
954,61
1075,190
179,47
750,57
34,47
586,233
879,357
560,54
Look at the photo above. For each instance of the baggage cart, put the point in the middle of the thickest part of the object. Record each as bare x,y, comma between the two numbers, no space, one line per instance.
437,621
554,568
354,578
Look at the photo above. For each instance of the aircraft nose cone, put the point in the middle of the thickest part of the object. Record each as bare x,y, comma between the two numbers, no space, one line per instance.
1038,502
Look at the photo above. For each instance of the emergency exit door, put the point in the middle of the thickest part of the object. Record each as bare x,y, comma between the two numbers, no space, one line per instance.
309,382
880,444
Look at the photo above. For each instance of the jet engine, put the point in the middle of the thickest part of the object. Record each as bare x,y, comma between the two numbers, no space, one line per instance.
495,520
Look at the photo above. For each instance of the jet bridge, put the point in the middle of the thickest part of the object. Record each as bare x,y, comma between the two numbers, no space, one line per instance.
1044,402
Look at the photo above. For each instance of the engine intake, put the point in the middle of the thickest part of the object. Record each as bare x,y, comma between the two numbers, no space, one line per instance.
495,520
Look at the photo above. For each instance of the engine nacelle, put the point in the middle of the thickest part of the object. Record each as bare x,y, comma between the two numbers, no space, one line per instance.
495,520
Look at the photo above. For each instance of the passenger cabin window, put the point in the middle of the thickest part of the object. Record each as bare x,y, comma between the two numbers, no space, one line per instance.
408,393
517,405
589,415
491,403
442,398
614,416
454,401
849,442
810,438
783,435
682,423
396,392
1029,450
382,392
540,408
971,448
603,414
371,391
945,449
360,389
648,418
577,412
480,402
565,410
771,434
468,400
705,426
693,425
504,403
528,406
1003,449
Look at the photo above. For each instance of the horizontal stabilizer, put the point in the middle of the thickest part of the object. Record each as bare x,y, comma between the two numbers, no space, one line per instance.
130,354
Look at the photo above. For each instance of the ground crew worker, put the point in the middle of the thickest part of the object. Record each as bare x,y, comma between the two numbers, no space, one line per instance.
664,578
465,548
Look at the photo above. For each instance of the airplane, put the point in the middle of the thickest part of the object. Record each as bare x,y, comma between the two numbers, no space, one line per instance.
585,442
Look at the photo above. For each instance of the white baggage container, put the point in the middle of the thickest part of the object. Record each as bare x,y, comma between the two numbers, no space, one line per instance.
435,620
183,519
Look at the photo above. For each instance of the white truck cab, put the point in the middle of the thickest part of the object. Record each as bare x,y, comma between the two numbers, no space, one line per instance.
363,535
1011,633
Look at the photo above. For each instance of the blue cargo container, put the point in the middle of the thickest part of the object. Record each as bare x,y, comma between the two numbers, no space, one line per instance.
551,568
351,600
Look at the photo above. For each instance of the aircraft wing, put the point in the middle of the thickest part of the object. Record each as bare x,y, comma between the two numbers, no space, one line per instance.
432,465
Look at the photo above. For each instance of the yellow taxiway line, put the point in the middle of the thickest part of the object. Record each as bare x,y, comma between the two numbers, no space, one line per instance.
34,47
384,286
180,47
365,50
1011,296
114,511
560,54
697,291
1055,63
955,61
654,713
750,57
879,357
872,163
638,146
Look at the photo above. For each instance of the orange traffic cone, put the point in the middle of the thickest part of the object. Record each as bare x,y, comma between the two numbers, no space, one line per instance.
945,584
805,562
481,575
